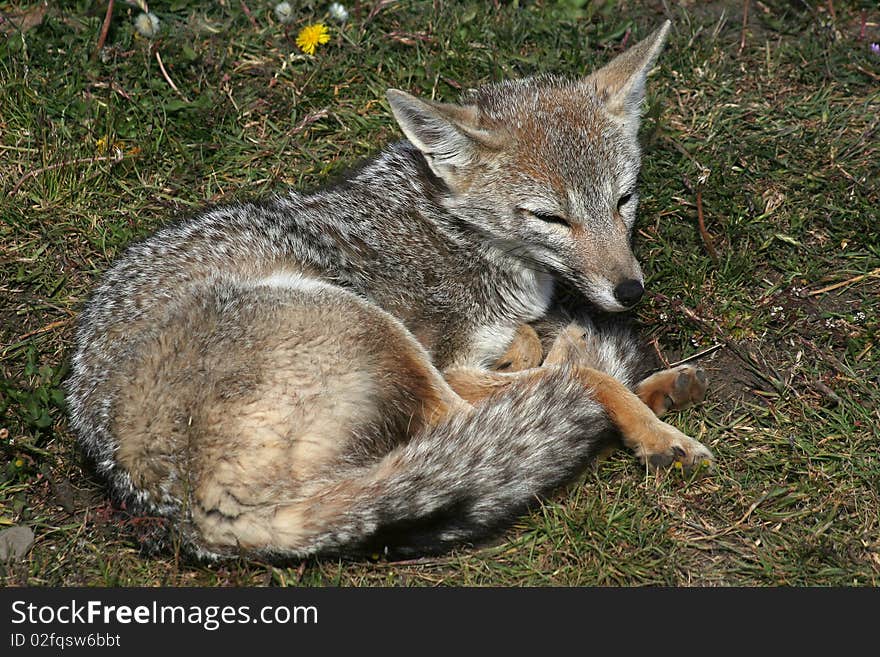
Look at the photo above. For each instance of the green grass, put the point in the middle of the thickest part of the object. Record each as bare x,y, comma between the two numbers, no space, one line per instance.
780,139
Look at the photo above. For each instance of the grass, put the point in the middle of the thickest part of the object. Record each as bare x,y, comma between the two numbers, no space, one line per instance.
779,137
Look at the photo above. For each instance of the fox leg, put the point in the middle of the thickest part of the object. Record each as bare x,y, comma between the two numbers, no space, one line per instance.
474,385
610,355
668,390
654,442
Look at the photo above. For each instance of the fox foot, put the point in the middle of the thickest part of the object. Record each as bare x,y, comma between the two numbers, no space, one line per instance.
673,389
524,352
654,442
667,446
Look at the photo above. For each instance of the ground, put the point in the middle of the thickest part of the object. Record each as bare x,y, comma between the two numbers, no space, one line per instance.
766,128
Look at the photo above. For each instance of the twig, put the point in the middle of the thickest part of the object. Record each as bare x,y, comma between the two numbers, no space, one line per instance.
656,344
48,327
867,72
118,89
862,353
828,358
248,13
699,354
742,36
681,149
168,77
105,27
727,530
827,392
421,561
690,314
854,279
701,224
116,157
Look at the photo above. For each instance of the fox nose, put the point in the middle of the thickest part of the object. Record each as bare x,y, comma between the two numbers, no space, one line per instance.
629,292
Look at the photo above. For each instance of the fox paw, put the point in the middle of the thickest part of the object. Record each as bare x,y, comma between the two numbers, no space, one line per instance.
523,353
670,447
673,389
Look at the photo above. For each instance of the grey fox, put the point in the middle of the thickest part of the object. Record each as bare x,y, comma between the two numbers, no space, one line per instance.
357,369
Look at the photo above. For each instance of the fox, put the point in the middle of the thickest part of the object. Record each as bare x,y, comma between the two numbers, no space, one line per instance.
402,362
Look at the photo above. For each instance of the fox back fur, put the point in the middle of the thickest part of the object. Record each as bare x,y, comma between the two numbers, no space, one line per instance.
312,373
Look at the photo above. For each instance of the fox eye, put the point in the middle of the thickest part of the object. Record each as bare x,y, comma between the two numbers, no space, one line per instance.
550,218
623,200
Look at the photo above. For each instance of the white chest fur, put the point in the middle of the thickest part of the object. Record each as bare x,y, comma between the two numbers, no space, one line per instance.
525,300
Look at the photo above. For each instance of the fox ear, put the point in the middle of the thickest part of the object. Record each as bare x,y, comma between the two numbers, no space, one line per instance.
447,135
621,82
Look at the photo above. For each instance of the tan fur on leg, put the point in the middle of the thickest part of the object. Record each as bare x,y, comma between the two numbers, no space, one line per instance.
474,385
656,443
570,346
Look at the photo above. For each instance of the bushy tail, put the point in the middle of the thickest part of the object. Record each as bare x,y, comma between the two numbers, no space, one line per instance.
456,482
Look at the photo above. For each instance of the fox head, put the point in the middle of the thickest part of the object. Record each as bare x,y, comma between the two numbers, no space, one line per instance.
546,168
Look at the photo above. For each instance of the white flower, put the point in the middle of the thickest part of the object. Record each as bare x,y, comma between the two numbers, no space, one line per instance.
338,12
147,24
284,12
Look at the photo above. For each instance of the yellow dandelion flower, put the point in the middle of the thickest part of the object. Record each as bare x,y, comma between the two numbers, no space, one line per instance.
311,36
117,147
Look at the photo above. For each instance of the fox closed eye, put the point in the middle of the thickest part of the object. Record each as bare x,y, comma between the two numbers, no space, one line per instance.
549,218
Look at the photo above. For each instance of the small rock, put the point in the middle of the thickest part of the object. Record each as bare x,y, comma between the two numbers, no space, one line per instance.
15,542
